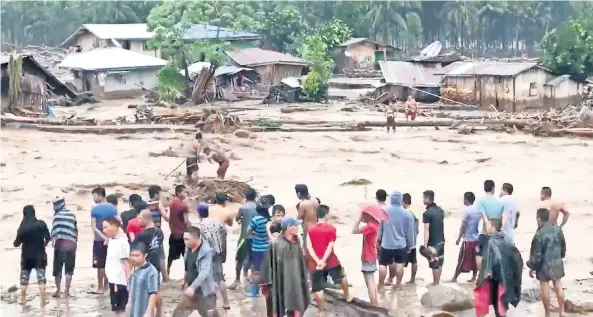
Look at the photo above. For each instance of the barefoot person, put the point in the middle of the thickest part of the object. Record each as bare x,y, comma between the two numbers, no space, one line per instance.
193,158
511,213
199,288
322,260
158,207
556,207
244,216
491,208
434,233
117,265
64,235
411,108
218,157
469,231
390,116
261,240
101,210
152,237
144,284
178,223
548,248
396,240
306,209
284,275
32,236
220,210
412,254
369,232
215,234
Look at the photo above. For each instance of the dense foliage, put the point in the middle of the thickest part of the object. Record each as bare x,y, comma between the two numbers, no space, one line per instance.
315,51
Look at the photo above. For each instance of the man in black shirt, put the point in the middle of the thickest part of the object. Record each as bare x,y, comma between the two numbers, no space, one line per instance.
434,234
152,237
137,205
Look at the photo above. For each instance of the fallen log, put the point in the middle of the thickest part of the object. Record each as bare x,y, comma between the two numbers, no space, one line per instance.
336,305
47,121
113,129
404,123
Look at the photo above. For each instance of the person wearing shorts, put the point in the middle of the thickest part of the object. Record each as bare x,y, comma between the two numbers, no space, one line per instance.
64,234
260,242
220,158
101,210
369,232
118,253
411,257
434,232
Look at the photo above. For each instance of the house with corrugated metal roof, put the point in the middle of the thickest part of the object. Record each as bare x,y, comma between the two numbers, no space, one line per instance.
361,54
508,86
272,66
403,79
113,72
135,37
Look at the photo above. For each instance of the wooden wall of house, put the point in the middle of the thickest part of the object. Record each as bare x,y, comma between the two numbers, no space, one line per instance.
359,52
272,74
568,92
460,89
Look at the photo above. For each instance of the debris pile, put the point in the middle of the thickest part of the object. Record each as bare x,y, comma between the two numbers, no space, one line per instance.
452,93
48,57
219,121
207,189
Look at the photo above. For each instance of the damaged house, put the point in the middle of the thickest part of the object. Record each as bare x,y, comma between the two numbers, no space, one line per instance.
37,84
270,65
403,79
511,87
113,72
361,54
435,56
229,81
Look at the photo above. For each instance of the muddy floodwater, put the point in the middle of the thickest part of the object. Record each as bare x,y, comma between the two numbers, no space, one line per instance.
37,166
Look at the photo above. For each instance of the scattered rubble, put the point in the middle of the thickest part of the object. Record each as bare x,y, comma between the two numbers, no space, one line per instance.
207,189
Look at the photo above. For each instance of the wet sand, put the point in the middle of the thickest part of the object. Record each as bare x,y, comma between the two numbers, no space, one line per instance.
41,165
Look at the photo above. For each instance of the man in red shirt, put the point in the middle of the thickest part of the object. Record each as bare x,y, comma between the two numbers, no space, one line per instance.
322,261
133,229
178,223
369,233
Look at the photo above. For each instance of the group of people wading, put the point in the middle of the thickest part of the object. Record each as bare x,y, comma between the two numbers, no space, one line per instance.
285,258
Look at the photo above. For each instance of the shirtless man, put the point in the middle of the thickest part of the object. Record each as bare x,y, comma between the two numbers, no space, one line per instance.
218,157
411,108
193,157
554,206
220,211
390,116
307,208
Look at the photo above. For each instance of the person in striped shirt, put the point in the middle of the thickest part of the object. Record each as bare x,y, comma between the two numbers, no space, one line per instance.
64,235
144,284
261,241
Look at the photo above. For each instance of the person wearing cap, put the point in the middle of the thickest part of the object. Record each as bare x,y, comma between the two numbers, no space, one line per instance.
307,208
220,211
215,234
283,278
64,235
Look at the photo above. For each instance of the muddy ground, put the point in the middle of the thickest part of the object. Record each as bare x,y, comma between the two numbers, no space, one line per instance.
36,166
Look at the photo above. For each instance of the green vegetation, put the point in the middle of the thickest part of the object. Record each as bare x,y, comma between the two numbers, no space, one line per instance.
314,50
170,86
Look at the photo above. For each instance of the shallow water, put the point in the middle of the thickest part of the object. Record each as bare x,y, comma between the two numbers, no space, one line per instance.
40,166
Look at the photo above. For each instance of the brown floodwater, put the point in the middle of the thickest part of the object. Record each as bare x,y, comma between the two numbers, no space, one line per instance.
38,166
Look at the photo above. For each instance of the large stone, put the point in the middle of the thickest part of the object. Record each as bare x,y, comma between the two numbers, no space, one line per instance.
241,134
447,298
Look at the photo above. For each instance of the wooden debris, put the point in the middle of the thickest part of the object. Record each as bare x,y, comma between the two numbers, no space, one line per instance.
357,182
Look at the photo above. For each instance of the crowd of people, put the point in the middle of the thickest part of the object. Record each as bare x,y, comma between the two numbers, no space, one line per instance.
288,258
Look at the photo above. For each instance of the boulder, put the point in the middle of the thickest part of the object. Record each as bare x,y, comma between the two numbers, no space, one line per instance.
447,298
240,133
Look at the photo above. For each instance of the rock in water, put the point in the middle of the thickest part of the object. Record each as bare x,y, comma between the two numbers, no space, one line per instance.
447,298
240,133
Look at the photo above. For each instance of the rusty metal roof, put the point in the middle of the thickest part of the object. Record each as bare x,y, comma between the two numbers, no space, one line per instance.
257,57
485,68
408,74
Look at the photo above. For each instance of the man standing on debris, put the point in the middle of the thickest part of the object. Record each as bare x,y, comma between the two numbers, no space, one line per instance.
556,207
193,158
390,116
218,157
548,248
411,108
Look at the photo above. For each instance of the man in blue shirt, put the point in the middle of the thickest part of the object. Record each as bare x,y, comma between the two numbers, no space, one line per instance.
469,231
491,208
100,211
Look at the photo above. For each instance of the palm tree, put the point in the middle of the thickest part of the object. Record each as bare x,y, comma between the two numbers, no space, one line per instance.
459,18
385,19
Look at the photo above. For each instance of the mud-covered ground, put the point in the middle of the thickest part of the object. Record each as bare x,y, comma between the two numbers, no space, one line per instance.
37,166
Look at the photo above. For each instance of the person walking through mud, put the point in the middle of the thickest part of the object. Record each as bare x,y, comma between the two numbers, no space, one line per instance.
412,254
411,109
64,235
101,210
491,208
117,265
322,259
246,212
32,236
306,209
556,207
261,241
199,288
216,156
158,207
548,248
369,232
469,231
193,158
434,234
511,212
284,275
215,234
144,284
396,239
390,117
178,223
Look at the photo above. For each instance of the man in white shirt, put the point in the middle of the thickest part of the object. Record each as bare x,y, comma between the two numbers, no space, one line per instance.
511,212
117,266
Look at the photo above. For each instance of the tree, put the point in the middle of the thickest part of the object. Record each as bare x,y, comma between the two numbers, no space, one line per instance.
281,28
569,49
333,33
314,50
